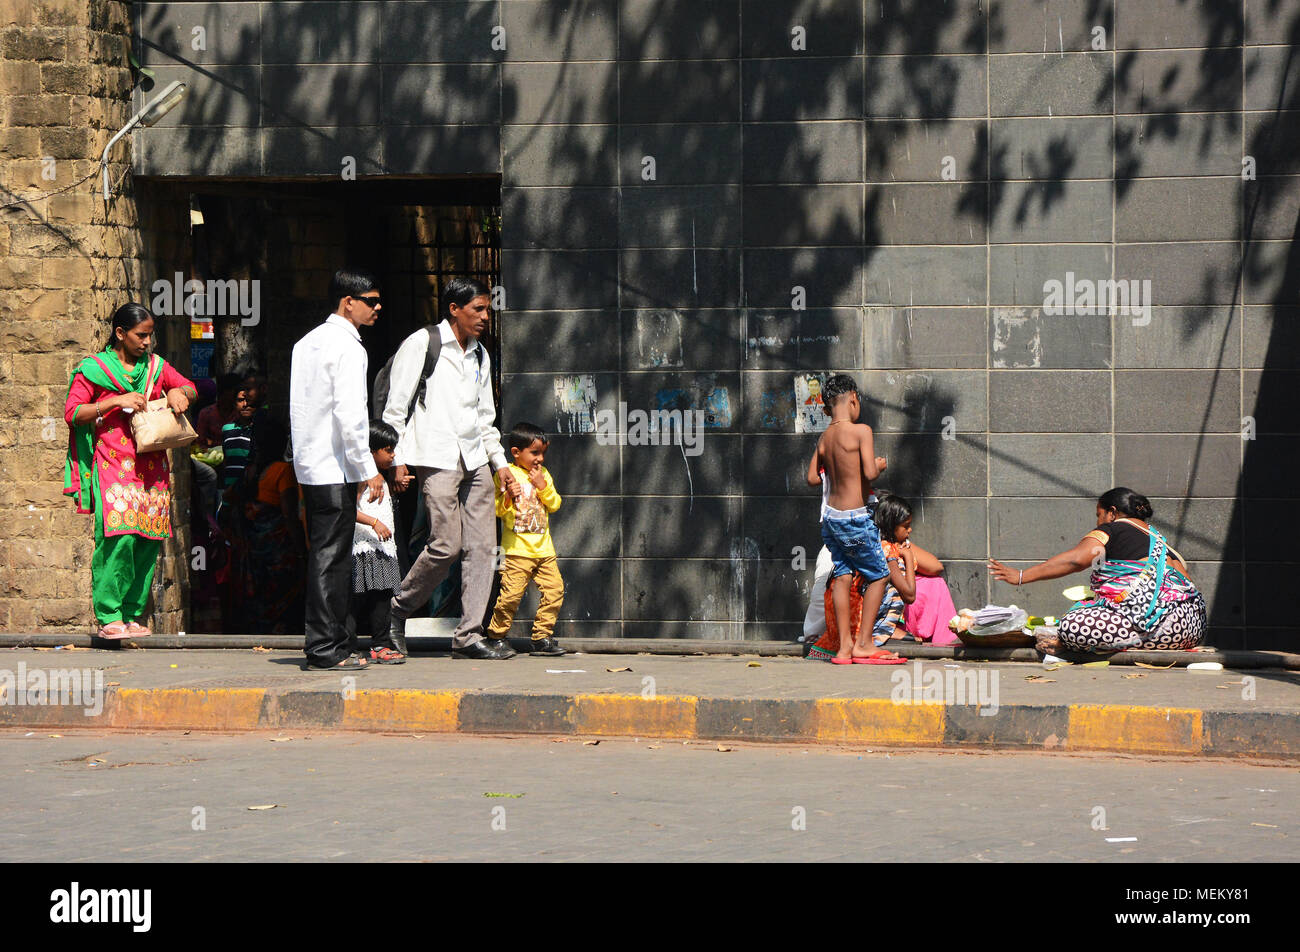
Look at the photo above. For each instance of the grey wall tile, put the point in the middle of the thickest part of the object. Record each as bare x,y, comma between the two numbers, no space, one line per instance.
1199,528
1182,209
547,32
1075,84
818,152
705,216
798,88
1048,26
1271,81
1178,81
321,151
780,595
1269,468
930,26
558,93
1269,21
779,527
442,150
918,150
914,401
1263,581
919,337
1189,272
949,213
1178,465
682,339
802,215
1270,266
1223,586
829,276
534,397
778,465
215,96
1271,337
1267,395
1026,338
588,465
952,528
672,91
925,87
1163,144
1273,138
1061,147
1056,401
441,94
925,464
1179,338
1033,528
667,471
668,527
559,218
771,404
1029,212
678,29
537,280
230,36
559,155
1055,464
715,394
676,278
803,340
829,28
584,527
968,583
320,32
577,342
692,154
1273,202
590,591
926,275
320,95
1177,24
1018,274
440,32
172,151
1260,522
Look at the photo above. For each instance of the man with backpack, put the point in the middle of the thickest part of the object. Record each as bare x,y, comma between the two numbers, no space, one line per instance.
439,401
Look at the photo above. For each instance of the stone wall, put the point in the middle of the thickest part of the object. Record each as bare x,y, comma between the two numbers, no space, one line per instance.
66,262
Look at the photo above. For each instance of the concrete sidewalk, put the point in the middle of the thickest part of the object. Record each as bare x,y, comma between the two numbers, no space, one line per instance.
925,703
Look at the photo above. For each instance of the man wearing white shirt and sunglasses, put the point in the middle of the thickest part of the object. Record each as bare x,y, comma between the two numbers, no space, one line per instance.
331,454
440,403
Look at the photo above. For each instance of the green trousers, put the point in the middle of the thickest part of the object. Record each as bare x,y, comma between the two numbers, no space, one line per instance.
120,574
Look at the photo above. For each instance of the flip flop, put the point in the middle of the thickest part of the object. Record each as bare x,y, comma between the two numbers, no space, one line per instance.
114,631
843,660
879,658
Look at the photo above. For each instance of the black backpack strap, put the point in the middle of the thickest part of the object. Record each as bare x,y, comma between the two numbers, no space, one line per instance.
430,361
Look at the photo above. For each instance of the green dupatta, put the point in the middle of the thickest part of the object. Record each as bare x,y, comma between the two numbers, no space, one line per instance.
103,370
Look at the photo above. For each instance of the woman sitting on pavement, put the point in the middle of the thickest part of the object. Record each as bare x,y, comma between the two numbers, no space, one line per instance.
1142,597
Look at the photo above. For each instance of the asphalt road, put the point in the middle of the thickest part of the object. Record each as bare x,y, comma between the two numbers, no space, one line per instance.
90,796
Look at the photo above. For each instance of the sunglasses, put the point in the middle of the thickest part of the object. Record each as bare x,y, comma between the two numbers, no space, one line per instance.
370,302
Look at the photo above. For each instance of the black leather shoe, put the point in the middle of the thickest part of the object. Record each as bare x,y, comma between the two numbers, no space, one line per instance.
547,646
501,646
397,632
481,651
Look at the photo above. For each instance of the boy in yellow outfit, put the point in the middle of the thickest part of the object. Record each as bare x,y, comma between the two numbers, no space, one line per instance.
526,541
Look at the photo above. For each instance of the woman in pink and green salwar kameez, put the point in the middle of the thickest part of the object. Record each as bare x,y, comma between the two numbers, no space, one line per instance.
128,493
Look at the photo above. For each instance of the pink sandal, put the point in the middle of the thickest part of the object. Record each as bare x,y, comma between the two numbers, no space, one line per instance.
114,631
136,630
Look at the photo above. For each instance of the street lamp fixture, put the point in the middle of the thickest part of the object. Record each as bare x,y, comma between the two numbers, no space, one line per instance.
153,110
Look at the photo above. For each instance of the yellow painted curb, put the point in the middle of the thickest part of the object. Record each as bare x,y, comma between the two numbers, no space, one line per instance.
167,708
633,715
437,711
879,721
1138,729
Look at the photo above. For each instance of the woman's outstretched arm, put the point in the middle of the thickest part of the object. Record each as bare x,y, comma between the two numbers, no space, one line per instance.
1082,556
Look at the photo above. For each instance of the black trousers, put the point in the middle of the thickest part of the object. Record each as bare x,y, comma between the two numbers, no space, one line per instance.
331,520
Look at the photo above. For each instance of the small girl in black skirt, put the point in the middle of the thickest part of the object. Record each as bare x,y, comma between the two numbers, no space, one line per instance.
376,573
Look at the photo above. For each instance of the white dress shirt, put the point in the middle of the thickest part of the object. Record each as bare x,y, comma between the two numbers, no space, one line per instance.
328,423
455,422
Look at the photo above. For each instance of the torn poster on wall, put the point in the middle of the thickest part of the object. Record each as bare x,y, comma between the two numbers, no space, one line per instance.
810,415
575,404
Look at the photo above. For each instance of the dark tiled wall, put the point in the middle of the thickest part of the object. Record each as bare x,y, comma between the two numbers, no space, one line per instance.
672,169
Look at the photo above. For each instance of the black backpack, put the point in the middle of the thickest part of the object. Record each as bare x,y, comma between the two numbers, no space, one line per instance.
379,396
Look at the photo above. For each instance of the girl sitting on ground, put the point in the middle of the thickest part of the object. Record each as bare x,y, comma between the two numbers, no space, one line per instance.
917,603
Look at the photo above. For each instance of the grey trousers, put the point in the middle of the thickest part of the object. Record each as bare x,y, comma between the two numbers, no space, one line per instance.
462,525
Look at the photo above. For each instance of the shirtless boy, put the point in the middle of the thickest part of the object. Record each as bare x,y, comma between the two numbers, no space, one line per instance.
847,453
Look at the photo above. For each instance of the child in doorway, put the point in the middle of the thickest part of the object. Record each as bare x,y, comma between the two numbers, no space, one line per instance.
375,570
847,454
526,541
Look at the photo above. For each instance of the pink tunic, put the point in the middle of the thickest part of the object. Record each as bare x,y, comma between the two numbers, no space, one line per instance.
133,492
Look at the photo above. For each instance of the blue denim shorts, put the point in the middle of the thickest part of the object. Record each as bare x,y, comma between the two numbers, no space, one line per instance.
854,543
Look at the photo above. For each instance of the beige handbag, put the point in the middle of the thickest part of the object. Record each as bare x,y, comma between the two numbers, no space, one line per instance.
159,427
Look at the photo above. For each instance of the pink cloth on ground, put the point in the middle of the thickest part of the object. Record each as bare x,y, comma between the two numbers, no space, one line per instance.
928,616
